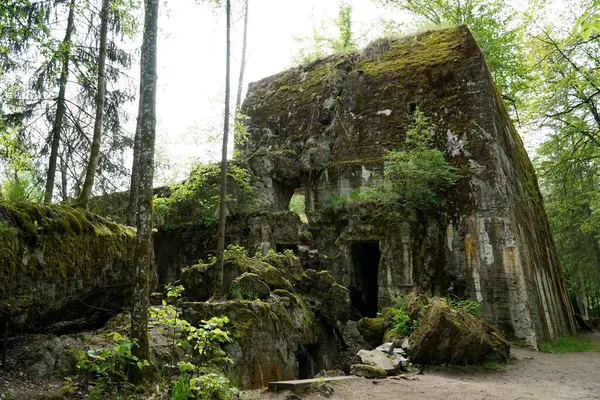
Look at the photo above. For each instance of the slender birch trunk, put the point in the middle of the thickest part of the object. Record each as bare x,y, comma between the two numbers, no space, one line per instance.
143,254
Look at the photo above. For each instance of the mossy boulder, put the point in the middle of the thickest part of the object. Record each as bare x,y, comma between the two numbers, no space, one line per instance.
372,330
315,283
201,280
287,263
448,335
197,282
368,371
249,286
272,277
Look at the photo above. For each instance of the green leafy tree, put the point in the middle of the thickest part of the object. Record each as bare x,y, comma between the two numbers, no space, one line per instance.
53,89
321,45
588,23
565,106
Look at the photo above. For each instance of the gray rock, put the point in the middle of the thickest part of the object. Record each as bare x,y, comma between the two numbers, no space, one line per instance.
389,364
387,348
399,351
405,345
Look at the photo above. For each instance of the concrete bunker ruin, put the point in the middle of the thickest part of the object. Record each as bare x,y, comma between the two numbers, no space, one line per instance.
325,128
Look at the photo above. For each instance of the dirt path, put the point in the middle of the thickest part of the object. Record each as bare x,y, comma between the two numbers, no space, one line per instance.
532,375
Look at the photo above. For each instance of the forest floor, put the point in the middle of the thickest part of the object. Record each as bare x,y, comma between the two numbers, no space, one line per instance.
529,375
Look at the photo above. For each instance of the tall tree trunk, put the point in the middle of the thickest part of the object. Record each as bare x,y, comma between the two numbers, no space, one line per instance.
64,178
60,105
238,100
86,190
143,254
135,170
223,186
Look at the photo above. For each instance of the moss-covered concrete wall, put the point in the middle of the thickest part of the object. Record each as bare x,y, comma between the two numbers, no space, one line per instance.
325,127
180,246
55,260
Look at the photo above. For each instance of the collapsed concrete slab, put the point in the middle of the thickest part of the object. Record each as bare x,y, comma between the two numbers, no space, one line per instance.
60,266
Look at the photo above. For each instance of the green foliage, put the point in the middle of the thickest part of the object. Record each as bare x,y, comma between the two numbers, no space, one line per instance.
207,386
201,377
111,364
416,177
17,182
413,177
470,306
321,44
174,291
565,101
589,22
397,320
242,293
197,198
569,344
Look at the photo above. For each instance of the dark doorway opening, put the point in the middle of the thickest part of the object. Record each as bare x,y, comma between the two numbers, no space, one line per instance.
364,287
281,247
308,357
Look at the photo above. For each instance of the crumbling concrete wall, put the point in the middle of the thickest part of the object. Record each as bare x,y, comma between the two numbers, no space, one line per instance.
325,127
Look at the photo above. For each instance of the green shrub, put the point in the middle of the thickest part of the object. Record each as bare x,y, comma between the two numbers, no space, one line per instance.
207,386
470,306
414,177
397,320
197,197
111,364
400,323
242,293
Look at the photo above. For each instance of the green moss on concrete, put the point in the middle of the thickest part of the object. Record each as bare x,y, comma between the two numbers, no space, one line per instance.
415,53
56,245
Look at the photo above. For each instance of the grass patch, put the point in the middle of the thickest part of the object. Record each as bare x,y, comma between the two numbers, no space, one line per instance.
568,344
487,366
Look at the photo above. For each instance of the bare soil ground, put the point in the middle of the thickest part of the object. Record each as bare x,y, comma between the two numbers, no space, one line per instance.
530,375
